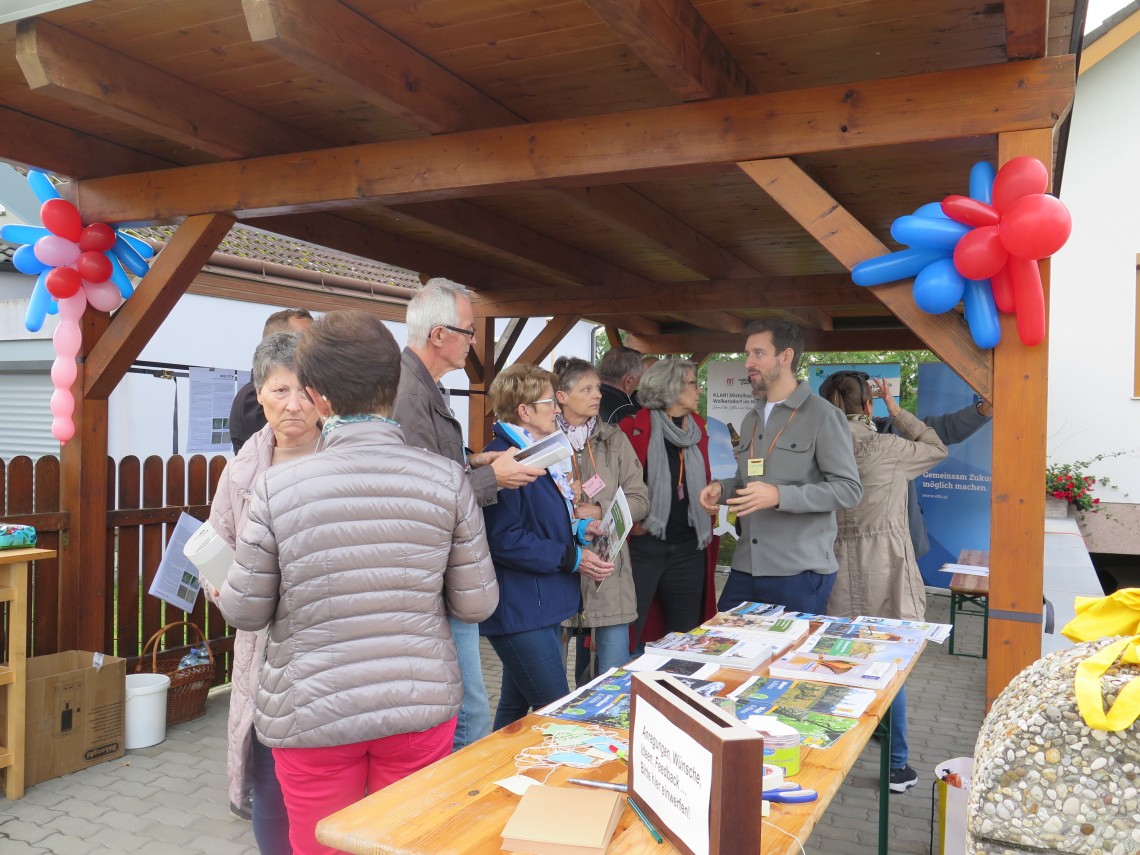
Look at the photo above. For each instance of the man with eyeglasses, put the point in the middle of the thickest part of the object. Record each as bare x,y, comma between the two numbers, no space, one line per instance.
441,329
795,469
246,415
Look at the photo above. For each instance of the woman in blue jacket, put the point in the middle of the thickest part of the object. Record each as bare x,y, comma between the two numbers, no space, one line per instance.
536,545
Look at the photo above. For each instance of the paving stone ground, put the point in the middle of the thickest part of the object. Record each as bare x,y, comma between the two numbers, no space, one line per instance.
171,798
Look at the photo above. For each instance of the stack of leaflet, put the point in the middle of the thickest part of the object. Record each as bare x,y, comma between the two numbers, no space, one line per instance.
779,633
703,645
756,609
821,713
936,632
845,660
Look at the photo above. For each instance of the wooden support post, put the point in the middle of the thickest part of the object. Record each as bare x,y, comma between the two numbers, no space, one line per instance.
1017,512
479,419
554,331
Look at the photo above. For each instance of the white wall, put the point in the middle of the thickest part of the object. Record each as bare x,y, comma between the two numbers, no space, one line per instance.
1092,332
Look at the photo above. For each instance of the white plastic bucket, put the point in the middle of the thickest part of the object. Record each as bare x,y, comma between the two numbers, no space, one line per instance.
146,709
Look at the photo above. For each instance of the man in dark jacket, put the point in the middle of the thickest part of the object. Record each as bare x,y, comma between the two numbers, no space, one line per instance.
620,371
246,415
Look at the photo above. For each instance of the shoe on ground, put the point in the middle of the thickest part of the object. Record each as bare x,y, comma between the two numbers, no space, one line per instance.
903,779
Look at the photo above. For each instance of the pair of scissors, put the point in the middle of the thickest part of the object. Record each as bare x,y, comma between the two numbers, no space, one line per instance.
789,794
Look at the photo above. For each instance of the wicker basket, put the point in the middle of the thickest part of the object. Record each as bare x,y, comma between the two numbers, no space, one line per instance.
186,698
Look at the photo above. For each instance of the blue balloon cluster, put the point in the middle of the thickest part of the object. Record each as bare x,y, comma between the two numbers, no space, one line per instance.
128,252
938,286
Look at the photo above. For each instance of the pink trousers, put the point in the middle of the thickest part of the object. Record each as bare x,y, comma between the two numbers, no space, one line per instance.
317,782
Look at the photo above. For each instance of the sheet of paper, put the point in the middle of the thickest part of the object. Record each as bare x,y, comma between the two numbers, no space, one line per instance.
518,784
965,569
617,523
652,662
176,580
212,393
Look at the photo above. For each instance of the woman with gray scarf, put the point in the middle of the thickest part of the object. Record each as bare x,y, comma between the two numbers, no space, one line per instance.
669,547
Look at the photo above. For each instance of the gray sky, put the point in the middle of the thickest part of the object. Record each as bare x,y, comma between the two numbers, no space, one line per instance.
1099,10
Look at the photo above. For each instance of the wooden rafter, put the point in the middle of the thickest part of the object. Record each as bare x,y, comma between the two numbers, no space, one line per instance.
715,320
672,38
809,317
816,340
775,292
609,148
84,74
850,242
1026,28
507,341
554,331
614,335
133,325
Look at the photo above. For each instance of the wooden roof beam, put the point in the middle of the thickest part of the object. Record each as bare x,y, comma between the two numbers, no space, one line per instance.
850,242
87,75
1026,28
729,295
507,341
36,144
672,38
554,331
609,148
714,320
139,318
814,340
809,317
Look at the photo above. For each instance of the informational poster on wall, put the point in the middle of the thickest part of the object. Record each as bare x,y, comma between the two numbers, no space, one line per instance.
954,494
212,393
889,371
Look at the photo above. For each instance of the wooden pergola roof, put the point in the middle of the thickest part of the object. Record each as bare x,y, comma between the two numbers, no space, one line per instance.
669,168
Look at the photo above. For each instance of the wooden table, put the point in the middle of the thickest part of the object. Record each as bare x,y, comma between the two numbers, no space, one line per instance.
454,807
13,673
967,589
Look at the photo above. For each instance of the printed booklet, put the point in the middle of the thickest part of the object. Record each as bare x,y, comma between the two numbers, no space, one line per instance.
936,632
702,645
779,633
606,700
758,695
899,654
806,664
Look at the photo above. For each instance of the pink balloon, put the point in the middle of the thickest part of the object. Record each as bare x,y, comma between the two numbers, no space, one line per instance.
68,338
63,429
63,373
71,308
61,217
1036,226
62,403
103,296
55,251
980,253
1021,176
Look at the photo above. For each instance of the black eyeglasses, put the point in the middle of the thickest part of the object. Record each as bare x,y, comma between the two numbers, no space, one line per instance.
470,333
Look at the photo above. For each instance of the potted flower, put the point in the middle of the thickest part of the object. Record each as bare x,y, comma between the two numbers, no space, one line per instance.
1070,484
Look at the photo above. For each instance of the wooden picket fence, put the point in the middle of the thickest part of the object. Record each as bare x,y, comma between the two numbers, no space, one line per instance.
144,502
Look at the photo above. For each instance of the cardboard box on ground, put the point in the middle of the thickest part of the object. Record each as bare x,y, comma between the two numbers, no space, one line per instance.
74,713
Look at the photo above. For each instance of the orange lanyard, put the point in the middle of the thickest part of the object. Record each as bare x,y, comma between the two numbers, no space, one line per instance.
681,477
593,465
752,442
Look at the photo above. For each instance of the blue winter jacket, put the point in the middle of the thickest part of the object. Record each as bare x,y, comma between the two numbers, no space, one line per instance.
533,549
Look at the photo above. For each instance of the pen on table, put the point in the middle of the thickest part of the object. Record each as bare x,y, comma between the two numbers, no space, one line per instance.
656,834
601,785
621,755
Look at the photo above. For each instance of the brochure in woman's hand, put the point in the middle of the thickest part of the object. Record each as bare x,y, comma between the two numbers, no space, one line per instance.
617,524
546,452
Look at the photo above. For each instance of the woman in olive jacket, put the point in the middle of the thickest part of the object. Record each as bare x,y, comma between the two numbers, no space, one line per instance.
603,462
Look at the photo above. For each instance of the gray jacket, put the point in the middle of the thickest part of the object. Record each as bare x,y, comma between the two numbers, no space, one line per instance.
428,423
353,558
813,465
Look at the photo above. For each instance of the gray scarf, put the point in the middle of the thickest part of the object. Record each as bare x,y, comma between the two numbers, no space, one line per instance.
661,486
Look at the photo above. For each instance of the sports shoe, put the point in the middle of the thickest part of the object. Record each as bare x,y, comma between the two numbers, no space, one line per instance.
903,779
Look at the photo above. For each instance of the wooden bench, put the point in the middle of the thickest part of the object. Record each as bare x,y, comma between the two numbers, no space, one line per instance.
969,595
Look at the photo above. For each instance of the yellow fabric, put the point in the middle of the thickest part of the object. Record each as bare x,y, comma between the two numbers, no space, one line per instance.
1101,617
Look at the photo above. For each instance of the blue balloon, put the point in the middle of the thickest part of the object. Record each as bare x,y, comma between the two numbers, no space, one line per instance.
53,307
928,232
982,176
982,313
37,304
24,259
938,287
119,277
16,233
893,266
931,209
41,185
129,256
140,246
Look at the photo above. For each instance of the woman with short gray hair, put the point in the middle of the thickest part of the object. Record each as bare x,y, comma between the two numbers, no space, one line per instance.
669,548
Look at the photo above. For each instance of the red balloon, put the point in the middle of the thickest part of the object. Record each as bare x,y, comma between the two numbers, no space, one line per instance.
97,237
970,212
61,218
94,266
980,253
1003,290
1030,299
1021,176
63,282
1036,226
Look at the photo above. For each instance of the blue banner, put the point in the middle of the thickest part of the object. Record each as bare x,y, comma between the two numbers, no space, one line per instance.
955,494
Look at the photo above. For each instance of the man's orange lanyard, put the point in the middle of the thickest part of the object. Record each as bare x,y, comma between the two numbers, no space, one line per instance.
752,442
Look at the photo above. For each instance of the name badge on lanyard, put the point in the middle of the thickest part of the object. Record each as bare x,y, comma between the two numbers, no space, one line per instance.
755,467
